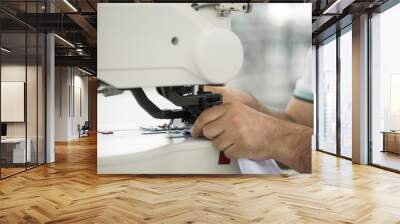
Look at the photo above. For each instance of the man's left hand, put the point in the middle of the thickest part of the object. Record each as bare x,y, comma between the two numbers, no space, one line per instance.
236,129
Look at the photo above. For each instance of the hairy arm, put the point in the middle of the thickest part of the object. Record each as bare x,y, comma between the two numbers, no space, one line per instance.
243,123
290,144
297,111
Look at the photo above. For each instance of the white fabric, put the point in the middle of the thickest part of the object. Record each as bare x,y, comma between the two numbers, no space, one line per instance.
248,166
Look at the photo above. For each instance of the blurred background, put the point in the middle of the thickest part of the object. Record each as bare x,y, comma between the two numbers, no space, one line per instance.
277,50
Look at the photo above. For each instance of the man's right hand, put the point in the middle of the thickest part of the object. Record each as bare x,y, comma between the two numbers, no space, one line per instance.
233,95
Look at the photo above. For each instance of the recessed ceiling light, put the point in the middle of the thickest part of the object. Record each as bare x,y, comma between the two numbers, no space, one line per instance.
338,6
5,50
70,5
65,41
84,71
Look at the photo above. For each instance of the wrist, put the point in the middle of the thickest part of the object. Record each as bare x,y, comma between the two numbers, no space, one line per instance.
252,102
269,145
257,105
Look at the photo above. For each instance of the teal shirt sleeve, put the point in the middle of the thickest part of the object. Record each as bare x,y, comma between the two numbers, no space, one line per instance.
304,89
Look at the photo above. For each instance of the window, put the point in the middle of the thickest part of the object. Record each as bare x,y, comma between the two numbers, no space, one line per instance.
385,89
346,93
334,106
327,96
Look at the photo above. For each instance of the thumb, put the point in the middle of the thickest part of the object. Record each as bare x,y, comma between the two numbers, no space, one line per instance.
215,89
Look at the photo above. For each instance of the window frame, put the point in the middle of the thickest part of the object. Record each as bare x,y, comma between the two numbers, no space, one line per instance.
334,37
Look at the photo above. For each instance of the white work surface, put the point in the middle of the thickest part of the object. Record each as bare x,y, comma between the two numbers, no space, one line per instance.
130,152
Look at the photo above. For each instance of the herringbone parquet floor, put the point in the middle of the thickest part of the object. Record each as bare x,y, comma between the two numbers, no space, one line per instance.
70,191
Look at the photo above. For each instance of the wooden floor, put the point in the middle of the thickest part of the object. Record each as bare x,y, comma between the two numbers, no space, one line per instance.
70,191
5,172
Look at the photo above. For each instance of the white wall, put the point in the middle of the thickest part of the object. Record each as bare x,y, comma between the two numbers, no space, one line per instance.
71,94
62,81
80,109
16,73
12,73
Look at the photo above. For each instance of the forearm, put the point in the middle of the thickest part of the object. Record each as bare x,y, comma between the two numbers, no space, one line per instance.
290,144
297,111
280,114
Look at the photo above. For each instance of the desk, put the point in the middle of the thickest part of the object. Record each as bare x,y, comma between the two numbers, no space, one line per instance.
130,152
391,141
16,153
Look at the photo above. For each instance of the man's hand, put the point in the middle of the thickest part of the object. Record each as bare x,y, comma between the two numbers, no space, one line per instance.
242,132
236,129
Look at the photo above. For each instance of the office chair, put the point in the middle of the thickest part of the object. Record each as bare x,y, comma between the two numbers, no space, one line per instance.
84,130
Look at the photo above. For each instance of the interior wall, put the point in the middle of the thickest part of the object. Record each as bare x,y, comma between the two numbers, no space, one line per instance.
49,82
62,80
12,73
80,103
71,102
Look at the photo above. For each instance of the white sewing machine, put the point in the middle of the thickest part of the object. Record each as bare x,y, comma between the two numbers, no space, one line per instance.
175,48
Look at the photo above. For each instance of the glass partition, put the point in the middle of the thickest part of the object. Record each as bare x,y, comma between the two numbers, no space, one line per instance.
14,153
327,96
23,90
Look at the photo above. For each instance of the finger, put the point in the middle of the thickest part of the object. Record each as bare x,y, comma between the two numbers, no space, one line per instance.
222,141
214,128
230,152
206,117
214,89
